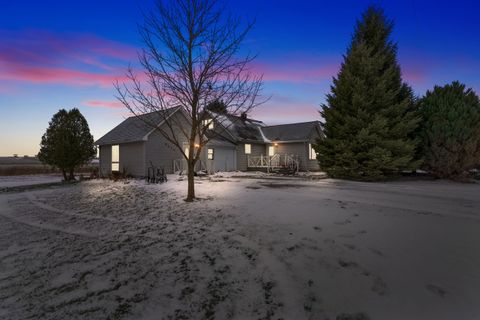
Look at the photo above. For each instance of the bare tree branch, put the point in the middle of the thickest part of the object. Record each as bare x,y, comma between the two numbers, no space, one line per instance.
191,57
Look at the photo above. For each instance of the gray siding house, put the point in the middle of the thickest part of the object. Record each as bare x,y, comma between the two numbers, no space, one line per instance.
236,143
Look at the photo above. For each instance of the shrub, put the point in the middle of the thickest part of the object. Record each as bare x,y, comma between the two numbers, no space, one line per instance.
450,131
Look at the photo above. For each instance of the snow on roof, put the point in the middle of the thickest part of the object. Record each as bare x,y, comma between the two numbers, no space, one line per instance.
241,129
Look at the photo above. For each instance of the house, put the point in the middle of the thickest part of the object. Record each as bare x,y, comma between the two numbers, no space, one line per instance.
236,143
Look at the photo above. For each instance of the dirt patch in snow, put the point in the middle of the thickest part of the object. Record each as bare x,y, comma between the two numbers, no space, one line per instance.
283,185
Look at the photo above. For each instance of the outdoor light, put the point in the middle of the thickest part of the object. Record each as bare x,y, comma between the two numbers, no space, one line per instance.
197,145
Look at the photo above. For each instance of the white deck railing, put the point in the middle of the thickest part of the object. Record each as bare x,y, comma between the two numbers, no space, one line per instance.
273,162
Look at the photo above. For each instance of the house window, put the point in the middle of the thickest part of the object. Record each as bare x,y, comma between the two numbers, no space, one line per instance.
210,154
271,151
116,158
209,123
248,148
186,150
312,154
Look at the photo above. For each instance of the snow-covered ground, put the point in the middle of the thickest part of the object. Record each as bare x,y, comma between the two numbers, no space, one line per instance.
250,249
26,180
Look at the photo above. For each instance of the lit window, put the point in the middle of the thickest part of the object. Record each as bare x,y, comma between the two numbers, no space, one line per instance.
209,123
312,154
271,151
186,150
210,154
248,148
115,158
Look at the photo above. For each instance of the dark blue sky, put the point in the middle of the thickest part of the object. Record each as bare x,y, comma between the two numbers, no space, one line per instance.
67,54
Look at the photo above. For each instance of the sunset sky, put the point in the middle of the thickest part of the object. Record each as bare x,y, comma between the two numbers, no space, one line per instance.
65,54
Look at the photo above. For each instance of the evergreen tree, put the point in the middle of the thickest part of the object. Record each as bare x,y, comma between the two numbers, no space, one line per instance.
369,117
67,143
450,130
217,106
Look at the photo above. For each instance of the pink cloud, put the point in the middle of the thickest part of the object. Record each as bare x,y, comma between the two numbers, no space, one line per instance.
415,72
103,104
417,67
63,76
68,59
282,109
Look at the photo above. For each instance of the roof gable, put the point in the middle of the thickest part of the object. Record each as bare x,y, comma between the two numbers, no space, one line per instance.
135,128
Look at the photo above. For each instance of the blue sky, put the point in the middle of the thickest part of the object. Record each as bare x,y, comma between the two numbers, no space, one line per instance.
67,54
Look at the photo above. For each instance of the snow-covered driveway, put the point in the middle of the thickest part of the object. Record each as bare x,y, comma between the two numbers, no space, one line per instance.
250,249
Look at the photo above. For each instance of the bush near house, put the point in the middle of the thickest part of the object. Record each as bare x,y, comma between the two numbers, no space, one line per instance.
369,117
450,131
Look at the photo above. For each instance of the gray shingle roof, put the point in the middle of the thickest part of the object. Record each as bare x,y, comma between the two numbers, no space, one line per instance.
134,128
291,132
242,130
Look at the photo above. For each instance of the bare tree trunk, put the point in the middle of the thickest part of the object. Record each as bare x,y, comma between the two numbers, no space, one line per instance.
191,59
64,175
191,182
71,177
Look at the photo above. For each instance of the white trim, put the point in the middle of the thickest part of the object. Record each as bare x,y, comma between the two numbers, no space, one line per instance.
312,154
220,124
115,161
271,148
265,140
210,155
145,138
209,123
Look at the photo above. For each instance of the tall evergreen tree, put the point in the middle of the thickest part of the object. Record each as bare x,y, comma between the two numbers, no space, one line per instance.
67,143
369,116
450,130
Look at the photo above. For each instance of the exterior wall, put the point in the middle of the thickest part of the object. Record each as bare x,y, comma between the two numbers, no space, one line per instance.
105,156
301,150
224,159
312,165
257,150
160,151
132,158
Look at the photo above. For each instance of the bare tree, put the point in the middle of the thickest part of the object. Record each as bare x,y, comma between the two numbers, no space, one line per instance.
191,58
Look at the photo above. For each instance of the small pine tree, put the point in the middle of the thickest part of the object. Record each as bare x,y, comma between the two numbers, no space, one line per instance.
217,106
450,130
67,143
369,116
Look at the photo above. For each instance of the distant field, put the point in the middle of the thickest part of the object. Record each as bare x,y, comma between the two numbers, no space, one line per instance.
11,166
18,169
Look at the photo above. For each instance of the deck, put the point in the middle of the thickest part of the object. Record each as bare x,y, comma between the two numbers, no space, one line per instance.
276,162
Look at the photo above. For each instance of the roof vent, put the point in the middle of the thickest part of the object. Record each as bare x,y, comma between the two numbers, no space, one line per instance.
243,116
